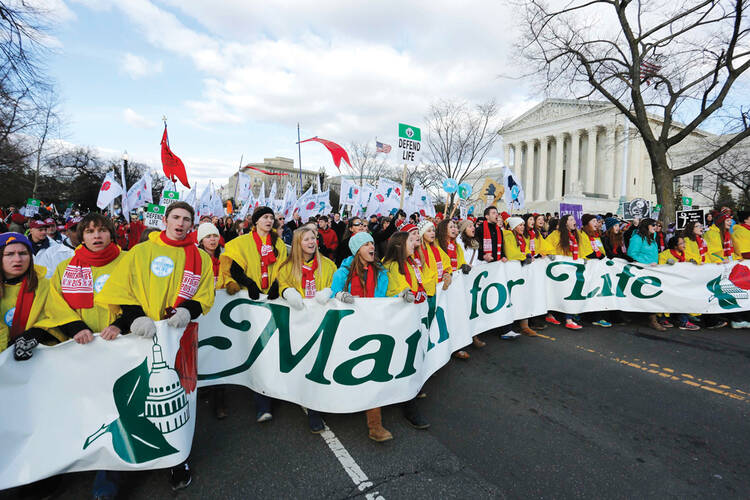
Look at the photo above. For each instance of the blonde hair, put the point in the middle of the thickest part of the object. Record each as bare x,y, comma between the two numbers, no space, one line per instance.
296,256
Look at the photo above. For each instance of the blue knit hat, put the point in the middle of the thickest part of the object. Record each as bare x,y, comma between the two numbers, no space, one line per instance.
8,238
359,239
609,222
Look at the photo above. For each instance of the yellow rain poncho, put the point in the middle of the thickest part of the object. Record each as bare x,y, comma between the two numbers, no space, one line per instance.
244,252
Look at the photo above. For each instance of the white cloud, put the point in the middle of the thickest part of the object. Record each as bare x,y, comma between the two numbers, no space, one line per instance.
137,67
136,120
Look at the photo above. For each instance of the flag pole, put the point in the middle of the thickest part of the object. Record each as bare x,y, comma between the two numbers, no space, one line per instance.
236,184
403,188
299,152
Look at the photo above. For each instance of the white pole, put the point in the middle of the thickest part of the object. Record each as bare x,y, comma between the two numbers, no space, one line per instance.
624,188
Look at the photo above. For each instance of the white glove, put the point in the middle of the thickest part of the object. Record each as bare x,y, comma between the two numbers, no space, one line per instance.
407,295
345,297
294,298
323,296
143,327
180,318
551,257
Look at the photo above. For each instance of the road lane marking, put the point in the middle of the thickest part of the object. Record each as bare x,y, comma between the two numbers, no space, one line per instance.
353,470
545,337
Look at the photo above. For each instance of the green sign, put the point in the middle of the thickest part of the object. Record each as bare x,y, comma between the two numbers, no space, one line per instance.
172,195
409,132
657,208
688,202
33,203
156,209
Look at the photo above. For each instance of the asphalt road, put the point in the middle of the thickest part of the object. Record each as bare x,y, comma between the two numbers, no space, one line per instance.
624,412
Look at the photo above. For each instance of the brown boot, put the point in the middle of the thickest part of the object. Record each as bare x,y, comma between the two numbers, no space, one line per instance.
528,331
477,342
654,323
375,425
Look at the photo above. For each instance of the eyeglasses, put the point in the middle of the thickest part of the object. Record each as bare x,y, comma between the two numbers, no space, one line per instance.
356,223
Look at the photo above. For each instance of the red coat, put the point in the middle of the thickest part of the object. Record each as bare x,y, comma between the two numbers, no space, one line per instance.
134,233
330,240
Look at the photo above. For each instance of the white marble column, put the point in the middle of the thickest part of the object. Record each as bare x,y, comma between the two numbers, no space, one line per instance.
530,160
590,184
516,158
506,155
557,173
574,171
542,180
610,164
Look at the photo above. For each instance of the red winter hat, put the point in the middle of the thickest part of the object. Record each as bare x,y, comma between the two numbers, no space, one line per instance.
505,216
37,224
407,228
18,218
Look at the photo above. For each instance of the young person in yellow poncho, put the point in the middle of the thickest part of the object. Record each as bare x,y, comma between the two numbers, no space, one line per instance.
29,313
304,274
435,262
405,281
741,235
569,241
79,279
517,248
251,260
719,239
165,277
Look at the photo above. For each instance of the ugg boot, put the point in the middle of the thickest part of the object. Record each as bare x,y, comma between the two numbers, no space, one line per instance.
375,425
653,322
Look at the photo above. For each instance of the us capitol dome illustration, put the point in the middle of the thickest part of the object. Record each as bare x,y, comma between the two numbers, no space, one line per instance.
166,405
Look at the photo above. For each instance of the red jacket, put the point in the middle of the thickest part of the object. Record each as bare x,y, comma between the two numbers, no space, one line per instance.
330,240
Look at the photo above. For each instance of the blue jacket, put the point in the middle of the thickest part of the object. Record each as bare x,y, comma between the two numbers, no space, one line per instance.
339,279
643,251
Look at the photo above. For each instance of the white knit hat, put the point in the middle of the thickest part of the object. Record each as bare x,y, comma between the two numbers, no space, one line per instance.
206,229
513,222
424,226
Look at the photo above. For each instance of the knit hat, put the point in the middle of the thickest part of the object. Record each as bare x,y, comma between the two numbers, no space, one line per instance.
721,217
260,212
37,224
8,238
586,218
505,216
206,229
513,222
407,228
424,226
358,240
73,222
18,218
610,222
463,225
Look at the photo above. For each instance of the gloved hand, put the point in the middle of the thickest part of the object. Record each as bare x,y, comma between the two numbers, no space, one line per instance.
232,288
447,280
22,348
252,290
345,297
551,257
465,268
323,296
294,298
671,262
273,292
143,327
693,261
407,295
180,318
527,260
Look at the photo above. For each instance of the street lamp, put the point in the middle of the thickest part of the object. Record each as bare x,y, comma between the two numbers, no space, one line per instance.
125,163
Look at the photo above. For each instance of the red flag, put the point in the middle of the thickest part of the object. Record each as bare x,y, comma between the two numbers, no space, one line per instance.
171,164
337,152
264,171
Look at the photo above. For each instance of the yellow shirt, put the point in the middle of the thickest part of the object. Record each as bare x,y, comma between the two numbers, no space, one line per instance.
692,252
432,273
460,258
149,275
740,240
551,245
47,310
323,275
715,245
512,250
397,282
667,254
98,317
244,252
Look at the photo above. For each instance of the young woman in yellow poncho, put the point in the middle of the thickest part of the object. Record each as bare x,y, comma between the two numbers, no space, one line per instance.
719,240
28,311
165,277
517,248
305,274
250,261
741,235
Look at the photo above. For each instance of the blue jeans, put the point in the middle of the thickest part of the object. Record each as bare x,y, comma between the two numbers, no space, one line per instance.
107,483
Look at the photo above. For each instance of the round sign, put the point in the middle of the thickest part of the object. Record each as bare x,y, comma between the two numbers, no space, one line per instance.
410,132
450,185
99,283
162,266
464,190
9,316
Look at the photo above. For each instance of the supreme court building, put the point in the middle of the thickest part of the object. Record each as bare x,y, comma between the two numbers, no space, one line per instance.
577,151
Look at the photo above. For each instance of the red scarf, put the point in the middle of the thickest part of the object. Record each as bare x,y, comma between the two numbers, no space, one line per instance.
746,226
594,246
521,242
267,257
532,242
308,279
77,282
660,241
702,247
191,275
421,294
23,308
680,256
369,289
450,249
438,260
215,265
487,240
728,246
573,245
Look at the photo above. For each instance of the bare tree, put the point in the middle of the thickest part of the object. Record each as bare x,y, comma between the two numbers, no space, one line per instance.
367,163
49,123
668,67
732,170
459,137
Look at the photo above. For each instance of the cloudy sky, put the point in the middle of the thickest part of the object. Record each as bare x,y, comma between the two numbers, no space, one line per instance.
234,77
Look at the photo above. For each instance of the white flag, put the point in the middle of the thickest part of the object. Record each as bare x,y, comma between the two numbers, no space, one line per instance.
514,195
272,194
349,193
290,196
109,191
262,194
244,184
217,206
139,193
125,205
306,204
204,203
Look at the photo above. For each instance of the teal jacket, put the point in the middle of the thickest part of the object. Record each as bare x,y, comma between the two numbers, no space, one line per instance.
642,251
339,278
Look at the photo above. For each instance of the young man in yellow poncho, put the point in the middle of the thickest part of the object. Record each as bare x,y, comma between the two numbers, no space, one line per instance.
165,277
251,260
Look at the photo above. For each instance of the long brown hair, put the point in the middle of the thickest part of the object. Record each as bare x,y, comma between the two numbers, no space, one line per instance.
30,276
396,250
615,239
442,234
357,268
562,226
296,258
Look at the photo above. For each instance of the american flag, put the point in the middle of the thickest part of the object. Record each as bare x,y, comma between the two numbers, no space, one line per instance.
382,147
648,70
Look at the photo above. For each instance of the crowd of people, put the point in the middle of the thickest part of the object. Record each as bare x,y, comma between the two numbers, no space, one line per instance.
68,279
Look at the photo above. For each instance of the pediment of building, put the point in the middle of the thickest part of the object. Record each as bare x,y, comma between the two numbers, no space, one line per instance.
551,110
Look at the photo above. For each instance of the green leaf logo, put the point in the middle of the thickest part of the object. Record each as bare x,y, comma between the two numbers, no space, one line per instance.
726,301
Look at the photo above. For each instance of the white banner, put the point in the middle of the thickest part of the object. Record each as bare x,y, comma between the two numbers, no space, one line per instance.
337,358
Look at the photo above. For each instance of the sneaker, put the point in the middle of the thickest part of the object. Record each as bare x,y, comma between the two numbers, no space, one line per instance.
572,325
551,320
740,324
263,416
415,420
511,335
717,325
666,323
180,476
316,422
689,326
602,323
